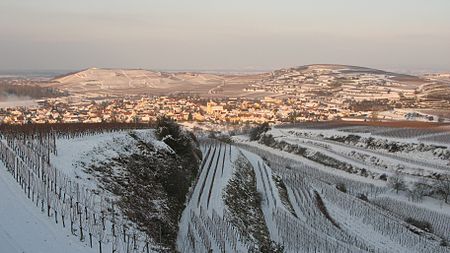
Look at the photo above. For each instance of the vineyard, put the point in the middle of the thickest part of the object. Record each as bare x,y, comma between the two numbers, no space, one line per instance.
93,215
343,200
310,215
399,130
439,138
205,224
293,190
346,221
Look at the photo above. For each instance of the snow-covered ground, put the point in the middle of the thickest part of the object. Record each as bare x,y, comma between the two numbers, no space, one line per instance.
369,215
412,162
304,227
24,229
206,202
76,187
300,204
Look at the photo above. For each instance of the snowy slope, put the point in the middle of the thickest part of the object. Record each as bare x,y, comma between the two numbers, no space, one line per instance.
298,204
73,198
365,216
206,222
23,229
196,234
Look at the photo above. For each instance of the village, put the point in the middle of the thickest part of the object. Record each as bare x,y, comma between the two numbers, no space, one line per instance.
191,109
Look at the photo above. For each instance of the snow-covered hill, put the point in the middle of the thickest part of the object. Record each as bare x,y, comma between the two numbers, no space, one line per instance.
118,191
293,190
301,208
139,81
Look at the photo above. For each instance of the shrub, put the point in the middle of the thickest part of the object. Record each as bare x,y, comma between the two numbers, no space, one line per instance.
363,197
424,225
256,132
442,187
341,187
419,190
268,140
383,177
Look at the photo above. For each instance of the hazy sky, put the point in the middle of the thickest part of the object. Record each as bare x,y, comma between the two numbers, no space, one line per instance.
225,34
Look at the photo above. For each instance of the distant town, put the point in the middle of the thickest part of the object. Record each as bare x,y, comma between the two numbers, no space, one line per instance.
308,93
192,109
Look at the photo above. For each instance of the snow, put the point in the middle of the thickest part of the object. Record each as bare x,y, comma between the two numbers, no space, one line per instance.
71,157
416,162
356,226
71,153
23,229
305,161
362,225
221,159
426,203
266,186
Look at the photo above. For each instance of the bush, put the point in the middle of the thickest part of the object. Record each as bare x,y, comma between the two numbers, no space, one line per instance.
424,225
268,140
167,128
243,201
182,142
256,132
383,177
363,197
341,187
442,187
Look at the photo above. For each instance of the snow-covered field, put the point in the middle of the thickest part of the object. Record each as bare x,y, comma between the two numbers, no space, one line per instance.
414,157
294,190
206,222
308,214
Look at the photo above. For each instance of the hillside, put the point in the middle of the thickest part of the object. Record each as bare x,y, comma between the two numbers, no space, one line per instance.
251,197
309,187
348,172
337,85
96,81
100,184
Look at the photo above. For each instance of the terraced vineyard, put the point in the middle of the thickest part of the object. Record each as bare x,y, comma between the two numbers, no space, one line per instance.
304,206
293,190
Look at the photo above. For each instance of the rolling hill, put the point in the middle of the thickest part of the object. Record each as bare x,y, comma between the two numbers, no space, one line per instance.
320,80
96,81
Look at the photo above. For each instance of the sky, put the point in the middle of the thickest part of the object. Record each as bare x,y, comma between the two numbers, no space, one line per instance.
406,35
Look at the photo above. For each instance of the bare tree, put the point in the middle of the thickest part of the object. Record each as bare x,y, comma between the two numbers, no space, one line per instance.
396,182
419,189
442,187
